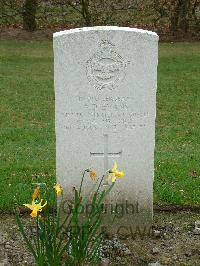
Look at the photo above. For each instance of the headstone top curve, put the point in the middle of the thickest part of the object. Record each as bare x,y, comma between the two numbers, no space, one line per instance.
106,28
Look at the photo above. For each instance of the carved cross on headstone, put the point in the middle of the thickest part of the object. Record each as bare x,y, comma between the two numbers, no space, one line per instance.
106,154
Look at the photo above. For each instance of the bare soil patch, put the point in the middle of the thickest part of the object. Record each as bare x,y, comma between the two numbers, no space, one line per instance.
9,33
174,242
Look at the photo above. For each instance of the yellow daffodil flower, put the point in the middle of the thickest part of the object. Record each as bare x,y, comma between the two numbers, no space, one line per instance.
114,173
35,207
93,175
36,193
58,189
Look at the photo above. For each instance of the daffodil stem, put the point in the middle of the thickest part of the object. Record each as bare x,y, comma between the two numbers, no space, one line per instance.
83,175
38,240
102,178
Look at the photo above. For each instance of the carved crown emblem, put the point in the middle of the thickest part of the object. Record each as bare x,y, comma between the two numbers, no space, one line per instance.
106,68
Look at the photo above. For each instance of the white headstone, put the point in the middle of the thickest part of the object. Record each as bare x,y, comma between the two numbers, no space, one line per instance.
105,93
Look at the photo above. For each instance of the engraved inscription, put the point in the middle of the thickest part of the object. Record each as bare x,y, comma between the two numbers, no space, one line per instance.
108,112
106,68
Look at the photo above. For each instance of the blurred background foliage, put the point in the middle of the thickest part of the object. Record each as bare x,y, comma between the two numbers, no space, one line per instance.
160,15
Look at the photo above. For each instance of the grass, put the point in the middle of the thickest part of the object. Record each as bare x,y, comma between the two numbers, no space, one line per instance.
27,139
27,143
177,132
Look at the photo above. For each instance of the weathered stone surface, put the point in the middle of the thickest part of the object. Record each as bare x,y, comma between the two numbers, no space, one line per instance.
105,93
